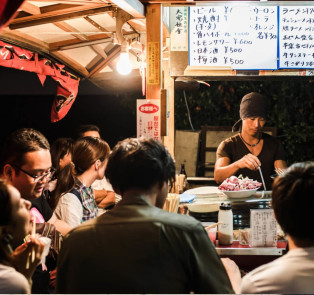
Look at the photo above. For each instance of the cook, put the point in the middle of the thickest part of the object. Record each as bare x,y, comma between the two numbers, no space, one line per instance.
250,148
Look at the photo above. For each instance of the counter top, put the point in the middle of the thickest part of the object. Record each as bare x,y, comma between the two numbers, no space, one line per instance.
237,249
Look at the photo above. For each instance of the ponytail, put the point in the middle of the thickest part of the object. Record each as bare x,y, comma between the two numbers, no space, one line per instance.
65,183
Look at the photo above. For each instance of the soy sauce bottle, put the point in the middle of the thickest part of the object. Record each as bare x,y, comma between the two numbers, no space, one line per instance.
183,170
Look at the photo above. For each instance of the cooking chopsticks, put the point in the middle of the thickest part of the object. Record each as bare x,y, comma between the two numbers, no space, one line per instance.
260,171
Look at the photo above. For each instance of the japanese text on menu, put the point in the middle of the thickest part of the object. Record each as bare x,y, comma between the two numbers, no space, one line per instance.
263,228
243,37
296,39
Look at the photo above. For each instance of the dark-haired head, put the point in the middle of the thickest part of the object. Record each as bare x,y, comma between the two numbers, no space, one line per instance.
21,142
293,202
87,130
60,148
139,164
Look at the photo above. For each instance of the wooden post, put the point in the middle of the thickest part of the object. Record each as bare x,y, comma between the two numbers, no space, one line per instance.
169,85
153,58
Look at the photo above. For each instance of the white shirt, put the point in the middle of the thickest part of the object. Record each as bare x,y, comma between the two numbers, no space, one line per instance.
12,281
69,209
292,273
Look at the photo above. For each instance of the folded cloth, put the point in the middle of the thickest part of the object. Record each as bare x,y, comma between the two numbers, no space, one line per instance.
187,198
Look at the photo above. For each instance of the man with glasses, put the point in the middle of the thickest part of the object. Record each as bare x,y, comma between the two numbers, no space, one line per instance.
26,163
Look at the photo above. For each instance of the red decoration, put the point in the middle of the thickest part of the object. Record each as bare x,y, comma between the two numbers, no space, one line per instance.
22,59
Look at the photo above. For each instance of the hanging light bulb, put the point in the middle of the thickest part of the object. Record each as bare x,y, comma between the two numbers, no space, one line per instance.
124,65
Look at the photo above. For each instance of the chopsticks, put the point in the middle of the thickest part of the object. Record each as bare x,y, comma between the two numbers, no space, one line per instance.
260,171
213,225
172,203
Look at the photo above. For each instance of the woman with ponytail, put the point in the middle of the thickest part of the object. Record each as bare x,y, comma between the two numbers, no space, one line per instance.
73,198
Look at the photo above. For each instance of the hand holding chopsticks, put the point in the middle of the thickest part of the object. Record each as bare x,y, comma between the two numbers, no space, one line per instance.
279,171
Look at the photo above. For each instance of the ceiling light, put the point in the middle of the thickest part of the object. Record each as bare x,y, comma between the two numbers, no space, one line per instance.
124,66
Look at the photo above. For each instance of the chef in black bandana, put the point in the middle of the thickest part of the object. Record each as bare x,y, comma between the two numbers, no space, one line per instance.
250,148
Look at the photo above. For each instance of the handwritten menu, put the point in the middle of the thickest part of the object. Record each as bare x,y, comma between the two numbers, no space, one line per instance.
179,28
296,37
263,228
237,37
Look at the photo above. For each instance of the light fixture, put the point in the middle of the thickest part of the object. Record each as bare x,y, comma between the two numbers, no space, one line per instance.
124,66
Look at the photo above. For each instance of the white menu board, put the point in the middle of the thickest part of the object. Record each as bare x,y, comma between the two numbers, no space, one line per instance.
296,37
237,37
148,118
263,228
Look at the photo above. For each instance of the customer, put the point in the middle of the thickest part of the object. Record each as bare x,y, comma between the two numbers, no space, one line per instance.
61,156
26,163
15,217
104,194
73,197
293,203
137,247
251,148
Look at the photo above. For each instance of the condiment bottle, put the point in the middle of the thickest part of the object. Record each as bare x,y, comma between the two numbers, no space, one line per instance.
183,170
225,229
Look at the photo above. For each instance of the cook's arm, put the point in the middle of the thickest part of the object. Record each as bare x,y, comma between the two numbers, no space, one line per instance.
280,164
225,169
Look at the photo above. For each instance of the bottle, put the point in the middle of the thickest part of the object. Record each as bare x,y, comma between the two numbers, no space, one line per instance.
183,170
225,229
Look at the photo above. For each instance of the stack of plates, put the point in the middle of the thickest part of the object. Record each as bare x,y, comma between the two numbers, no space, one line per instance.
205,191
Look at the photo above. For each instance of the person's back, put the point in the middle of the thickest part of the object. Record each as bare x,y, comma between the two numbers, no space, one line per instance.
293,202
152,251
137,247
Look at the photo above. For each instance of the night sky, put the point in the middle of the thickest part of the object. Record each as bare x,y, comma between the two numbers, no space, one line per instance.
26,103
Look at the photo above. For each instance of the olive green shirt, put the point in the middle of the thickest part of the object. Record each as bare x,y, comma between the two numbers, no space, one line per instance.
139,248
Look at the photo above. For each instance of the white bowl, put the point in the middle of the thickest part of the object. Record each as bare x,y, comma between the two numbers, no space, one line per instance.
239,194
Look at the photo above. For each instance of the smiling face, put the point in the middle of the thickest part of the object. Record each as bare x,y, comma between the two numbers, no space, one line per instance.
20,225
252,126
35,163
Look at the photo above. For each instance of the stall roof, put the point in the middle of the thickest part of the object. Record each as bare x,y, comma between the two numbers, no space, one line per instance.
82,34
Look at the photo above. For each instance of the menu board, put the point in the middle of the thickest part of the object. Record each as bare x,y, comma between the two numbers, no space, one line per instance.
237,37
296,37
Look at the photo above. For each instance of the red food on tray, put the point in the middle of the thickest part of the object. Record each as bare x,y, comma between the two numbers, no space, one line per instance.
234,183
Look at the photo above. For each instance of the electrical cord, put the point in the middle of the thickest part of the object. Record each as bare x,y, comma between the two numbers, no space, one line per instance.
187,107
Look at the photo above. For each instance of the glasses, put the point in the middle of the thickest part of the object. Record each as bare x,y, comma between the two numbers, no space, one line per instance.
37,178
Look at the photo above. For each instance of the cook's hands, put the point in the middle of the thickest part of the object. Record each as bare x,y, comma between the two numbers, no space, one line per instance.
249,161
234,274
22,256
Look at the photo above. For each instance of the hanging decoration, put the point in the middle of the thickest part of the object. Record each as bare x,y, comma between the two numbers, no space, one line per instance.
67,84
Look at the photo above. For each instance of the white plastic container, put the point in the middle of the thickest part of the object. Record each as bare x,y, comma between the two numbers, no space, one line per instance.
225,229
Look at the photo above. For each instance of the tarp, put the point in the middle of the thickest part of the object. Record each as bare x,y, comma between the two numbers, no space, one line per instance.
67,84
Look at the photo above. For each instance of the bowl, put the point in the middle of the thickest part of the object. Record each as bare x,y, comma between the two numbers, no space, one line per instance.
239,194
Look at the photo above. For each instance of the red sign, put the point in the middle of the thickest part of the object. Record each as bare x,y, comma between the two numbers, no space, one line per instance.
148,108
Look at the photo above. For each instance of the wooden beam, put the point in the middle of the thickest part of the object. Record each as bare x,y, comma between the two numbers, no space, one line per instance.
77,2
92,40
59,15
68,28
55,7
30,8
153,52
101,52
132,7
112,54
96,25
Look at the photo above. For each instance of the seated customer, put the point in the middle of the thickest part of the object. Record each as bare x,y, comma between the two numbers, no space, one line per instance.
61,155
15,278
73,198
137,247
293,203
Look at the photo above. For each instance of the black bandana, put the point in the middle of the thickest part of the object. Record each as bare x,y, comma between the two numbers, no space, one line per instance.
252,105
